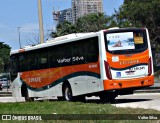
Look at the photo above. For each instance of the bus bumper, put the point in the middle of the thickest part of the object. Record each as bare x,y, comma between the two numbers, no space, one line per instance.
128,83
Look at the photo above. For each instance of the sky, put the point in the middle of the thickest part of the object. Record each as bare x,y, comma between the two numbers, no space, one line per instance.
24,14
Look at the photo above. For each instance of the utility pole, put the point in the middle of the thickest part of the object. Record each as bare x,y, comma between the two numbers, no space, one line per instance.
19,37
40,22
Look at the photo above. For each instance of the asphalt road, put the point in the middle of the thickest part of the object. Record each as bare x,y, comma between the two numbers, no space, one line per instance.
139,100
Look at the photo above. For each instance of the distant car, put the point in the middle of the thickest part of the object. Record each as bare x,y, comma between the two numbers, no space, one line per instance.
5,83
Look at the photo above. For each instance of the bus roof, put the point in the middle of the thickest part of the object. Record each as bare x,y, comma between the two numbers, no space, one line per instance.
66,39
56,41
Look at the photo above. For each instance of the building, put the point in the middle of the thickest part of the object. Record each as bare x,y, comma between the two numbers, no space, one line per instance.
83,7
65,15
79,9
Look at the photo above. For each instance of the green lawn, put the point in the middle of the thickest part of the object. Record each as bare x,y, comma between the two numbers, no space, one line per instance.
62,107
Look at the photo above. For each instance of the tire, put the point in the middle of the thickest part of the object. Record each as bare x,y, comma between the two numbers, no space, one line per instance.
25,94
28,99
67,93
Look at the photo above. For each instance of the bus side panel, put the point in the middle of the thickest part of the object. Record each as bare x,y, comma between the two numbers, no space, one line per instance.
89,82
38,81
16,90
50,92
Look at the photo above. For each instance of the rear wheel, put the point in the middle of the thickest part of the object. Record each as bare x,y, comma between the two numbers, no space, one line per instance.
67,93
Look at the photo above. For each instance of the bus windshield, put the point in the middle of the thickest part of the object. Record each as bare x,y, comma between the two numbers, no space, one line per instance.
126,41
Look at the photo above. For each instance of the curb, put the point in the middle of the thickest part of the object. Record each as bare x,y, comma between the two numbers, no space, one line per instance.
5,94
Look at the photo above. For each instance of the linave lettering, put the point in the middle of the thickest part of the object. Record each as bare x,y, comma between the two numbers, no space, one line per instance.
35,79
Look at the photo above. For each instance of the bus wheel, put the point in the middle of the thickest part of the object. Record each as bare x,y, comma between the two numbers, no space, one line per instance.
67,92
25,94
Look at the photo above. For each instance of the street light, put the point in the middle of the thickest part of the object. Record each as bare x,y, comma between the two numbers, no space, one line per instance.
40,22
19,36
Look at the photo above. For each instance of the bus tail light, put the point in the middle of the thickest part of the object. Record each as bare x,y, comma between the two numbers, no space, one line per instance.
108,71
149,66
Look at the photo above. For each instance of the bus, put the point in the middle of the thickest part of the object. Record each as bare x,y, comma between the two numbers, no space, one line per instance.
107,63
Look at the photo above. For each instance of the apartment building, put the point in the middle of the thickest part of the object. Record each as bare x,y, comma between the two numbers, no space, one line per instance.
79,9
65,15
83,7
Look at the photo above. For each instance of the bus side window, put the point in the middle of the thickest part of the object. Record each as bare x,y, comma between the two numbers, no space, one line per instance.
33,60
14,64
23,62
65,57
54,56
78,52
43,59
91,49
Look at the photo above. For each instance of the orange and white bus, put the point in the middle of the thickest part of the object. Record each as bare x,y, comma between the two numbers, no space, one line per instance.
107,63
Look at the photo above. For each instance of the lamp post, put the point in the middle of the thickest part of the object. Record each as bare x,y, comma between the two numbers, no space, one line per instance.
19,36
40,22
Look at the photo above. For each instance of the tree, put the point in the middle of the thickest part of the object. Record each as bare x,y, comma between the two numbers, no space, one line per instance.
88,23
64,29
92,22
141,13
4,56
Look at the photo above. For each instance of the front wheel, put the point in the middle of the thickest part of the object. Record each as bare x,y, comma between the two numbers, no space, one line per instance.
25,94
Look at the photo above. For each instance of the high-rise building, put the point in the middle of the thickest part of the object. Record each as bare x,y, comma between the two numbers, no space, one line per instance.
83,7
65,15
79,9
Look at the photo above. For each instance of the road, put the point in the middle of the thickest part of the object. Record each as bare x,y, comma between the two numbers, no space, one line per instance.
139,100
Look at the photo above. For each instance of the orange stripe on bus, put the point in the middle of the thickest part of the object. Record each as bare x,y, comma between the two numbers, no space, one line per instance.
48,76
129,83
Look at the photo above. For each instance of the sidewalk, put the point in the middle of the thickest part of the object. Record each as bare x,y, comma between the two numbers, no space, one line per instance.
11,99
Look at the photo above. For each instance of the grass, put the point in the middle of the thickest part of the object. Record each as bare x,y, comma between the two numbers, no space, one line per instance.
62,107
